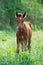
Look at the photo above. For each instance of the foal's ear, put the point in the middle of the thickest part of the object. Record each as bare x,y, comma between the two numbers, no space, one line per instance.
24,15
16,14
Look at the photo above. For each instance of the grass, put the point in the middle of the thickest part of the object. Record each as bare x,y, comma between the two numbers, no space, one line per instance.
8,55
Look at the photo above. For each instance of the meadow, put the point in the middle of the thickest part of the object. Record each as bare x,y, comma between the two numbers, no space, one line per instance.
8,55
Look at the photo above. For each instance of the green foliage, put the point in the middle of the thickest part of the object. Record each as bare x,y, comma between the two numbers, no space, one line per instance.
36,27
8,9
33,10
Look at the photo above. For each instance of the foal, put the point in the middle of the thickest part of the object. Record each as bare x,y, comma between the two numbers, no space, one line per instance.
23,32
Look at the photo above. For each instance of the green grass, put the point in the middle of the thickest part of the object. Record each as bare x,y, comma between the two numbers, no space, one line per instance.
8,55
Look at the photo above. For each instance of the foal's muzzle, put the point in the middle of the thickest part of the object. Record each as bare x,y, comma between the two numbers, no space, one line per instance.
20,29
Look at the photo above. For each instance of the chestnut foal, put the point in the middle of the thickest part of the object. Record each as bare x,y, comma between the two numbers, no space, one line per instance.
23,32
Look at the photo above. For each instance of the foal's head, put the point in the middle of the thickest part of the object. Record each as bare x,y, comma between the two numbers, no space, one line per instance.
20,19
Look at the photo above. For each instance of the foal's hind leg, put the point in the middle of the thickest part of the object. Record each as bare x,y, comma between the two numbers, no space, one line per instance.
29,44
22,45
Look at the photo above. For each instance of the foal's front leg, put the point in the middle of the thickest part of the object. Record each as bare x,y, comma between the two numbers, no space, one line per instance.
18,43
24,45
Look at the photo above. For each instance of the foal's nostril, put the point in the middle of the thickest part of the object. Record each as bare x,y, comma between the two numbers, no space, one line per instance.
20,29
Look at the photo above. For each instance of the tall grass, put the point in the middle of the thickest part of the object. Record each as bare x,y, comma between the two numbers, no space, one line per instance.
8,55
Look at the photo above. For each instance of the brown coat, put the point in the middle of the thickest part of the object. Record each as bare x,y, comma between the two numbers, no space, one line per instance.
25,35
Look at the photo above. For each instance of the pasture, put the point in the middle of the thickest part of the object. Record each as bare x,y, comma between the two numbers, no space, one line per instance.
8,55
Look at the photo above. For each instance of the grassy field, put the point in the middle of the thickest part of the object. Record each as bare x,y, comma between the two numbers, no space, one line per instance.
8,55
